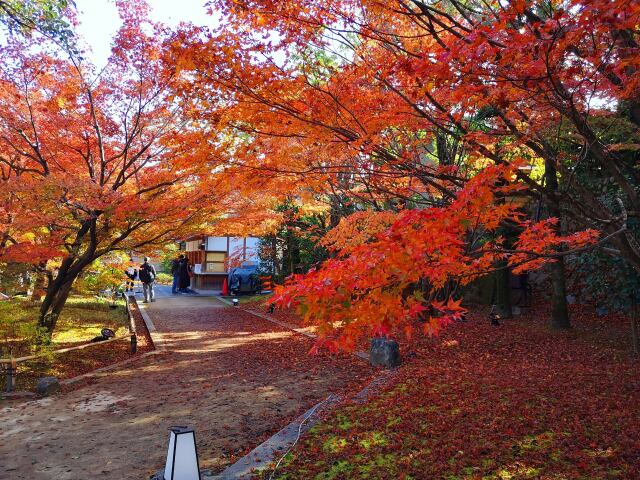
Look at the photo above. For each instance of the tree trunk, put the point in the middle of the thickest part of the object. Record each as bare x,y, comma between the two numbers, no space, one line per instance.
53,304
559,311
295,256
286,255
275,269
503,290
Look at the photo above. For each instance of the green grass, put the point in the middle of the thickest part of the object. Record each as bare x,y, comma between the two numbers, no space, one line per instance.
81,320
84,318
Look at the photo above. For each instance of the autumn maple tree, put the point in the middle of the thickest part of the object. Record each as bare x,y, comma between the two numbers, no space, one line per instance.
51,18
443,113
95,160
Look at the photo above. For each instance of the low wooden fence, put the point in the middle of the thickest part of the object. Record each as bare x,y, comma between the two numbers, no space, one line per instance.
11,364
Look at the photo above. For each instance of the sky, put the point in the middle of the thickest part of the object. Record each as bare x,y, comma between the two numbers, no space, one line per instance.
99,21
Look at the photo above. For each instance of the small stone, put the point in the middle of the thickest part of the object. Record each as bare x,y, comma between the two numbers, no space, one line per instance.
47,386
384,353
158,475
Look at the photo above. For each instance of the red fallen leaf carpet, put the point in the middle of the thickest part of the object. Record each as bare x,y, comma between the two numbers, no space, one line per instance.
518,401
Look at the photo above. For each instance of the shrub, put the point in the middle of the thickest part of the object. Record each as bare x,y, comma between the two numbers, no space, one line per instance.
17,334
164,278
104,274
167,255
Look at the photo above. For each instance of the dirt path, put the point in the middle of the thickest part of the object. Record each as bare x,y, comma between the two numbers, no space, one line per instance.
236,378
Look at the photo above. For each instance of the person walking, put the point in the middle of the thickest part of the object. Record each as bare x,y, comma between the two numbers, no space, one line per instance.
131,274
175,271
147,275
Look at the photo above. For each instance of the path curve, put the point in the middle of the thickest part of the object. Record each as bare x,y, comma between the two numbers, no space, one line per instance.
236,378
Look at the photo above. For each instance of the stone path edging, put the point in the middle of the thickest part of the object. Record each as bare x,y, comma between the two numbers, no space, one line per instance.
16,395
276,446
156,339
279,444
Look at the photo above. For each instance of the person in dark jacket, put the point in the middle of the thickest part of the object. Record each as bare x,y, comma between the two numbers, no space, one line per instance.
147,275
184,270
175,271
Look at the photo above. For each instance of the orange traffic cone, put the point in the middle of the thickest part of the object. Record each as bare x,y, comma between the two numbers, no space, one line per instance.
225,288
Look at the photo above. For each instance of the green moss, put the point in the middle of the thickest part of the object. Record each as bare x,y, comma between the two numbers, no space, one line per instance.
82,319
386,463
339,469
344,423
517,472
334,444
488,463
373,439
393,421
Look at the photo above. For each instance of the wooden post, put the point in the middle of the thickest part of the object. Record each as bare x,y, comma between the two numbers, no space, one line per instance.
12,371
132,326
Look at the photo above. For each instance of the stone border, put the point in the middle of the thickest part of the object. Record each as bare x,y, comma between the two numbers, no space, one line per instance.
276,447
156,339
17,360
16,395
361,355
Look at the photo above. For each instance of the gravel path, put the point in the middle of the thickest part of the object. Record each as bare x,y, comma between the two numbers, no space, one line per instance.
234,377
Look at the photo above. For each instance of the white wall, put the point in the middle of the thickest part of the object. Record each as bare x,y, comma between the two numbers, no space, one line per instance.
236,246
217,244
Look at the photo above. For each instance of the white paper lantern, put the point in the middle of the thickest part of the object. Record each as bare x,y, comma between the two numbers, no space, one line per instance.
182,456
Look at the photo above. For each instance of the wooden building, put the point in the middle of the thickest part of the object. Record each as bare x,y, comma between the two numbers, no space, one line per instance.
212,257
